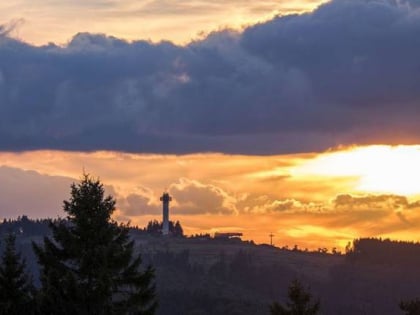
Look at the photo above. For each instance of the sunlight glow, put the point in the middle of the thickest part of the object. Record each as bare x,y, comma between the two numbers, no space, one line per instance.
379,169
294,195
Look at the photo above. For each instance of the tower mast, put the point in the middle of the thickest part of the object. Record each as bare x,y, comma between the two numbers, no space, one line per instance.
165,212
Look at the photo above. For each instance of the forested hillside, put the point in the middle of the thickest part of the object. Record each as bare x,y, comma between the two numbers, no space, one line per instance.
205,276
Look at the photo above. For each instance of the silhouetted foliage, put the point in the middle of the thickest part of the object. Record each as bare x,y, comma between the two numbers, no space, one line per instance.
178,230
154,227
88,267
28,227
410,307
16,289
25,226
299,302
201,236
378,251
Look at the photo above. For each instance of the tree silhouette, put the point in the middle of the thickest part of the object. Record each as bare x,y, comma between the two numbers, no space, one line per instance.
177,229
154,228
299,304
16,289
410,307
89,267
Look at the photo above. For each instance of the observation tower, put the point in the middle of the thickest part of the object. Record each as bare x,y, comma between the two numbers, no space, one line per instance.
165,211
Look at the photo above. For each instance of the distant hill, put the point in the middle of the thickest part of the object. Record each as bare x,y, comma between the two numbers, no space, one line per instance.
206,276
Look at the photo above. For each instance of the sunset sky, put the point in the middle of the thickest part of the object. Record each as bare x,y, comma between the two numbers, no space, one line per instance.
297,118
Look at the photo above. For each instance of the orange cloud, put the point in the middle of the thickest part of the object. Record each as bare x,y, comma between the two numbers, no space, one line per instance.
287,195
193,197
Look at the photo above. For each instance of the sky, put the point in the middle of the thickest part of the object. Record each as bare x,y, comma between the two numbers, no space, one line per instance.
178,21
297,118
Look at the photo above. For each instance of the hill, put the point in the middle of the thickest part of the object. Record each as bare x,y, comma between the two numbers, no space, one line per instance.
206,276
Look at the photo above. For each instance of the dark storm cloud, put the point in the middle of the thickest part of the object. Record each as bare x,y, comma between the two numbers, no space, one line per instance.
348,72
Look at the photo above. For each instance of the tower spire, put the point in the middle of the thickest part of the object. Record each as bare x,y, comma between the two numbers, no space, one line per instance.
165,212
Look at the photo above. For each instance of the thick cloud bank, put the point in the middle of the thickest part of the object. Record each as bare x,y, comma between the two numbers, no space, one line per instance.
348,72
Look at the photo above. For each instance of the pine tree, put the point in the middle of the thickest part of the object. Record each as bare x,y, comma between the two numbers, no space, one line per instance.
89,267
299,304
16,289
178,230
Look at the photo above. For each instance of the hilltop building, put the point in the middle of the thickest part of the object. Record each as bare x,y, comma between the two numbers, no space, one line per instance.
227,235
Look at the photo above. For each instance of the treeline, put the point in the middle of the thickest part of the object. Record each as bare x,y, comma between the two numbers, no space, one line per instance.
28,227
384,251
154,228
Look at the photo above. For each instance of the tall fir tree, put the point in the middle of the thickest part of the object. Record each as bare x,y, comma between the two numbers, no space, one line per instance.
89,266
300,302
16,289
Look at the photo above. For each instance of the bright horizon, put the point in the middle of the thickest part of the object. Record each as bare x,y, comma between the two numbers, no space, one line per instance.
312,200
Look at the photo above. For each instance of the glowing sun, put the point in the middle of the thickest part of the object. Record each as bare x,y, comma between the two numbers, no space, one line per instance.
378,168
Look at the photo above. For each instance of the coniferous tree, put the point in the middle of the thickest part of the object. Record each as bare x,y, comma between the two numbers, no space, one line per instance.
410,307
89,266
299,302
16,289
154,228
178,230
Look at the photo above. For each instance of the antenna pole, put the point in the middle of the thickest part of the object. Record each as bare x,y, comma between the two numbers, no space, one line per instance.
271,239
